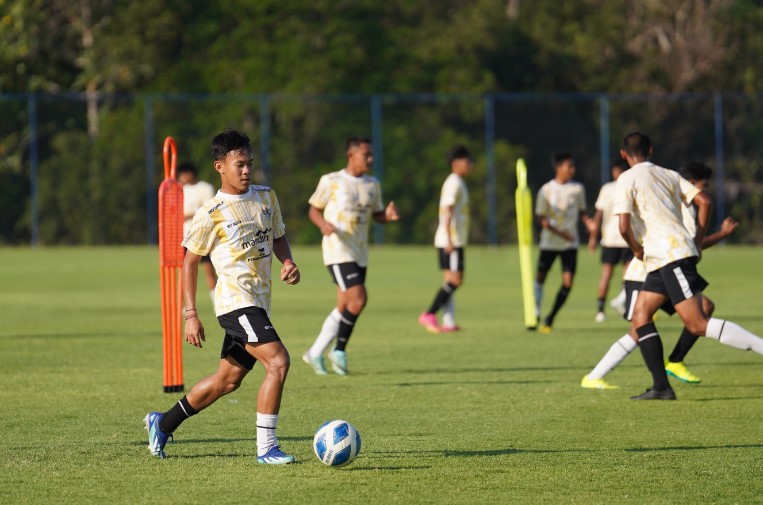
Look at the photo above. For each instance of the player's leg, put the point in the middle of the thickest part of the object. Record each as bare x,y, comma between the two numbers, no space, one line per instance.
675,365
314,356
618,302
569,265
645,333
607,267
449,309
545,262
449,264
351,300
620,350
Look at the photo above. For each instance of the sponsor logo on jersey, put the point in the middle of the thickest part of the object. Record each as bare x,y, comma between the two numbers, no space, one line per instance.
210,211
234,223
260,237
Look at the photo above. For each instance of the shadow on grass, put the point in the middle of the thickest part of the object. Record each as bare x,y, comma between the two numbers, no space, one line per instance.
185,441
695,447
727,399
386,468
451,383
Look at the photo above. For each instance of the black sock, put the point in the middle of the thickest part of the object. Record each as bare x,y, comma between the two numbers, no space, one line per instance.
651,349
683,346
600,305
346,325
176,415
442,297
561,297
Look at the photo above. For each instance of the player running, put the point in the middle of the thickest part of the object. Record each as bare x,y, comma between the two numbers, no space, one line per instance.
614,250
649,200
450,239
561,202
241,229
699,175
342,207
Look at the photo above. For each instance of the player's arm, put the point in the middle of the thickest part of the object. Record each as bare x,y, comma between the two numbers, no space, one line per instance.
626,230
727,228
316,216
289,271
593,230
546,223
194,330
704,205
448,220
387,215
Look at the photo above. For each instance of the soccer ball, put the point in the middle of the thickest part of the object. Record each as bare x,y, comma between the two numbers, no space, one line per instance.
336,443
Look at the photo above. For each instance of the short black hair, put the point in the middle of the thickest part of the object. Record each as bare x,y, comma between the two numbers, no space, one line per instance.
459,152
619,163
355,142
696,171
187,167
228,141
637,144
559,158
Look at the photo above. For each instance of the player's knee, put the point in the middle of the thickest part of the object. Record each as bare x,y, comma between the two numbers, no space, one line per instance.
358,303
697,328
279,364
708,306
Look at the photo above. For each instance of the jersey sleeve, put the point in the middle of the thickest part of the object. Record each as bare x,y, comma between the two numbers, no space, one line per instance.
201,235
378,203
688,190
601,201
622,202
541,205
449,193
322,194
279,228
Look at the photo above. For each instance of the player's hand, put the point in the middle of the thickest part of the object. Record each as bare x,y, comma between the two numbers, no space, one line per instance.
639,253
449,248
194,332
590,225
290,273
728,226
327,228
390,213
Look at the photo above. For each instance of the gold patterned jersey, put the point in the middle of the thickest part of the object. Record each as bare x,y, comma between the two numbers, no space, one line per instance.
454,193
610,223
655,198
237,232
348,203
561,204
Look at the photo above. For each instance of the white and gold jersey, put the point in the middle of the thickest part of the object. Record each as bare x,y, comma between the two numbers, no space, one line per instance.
454,193
237,232
561,204
655,197
194,196
348,203
610,223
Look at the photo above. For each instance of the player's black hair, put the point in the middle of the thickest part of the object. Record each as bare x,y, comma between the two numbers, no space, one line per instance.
696,171
637,144
227,141
355,142
459,152
187,167
559,158
619,163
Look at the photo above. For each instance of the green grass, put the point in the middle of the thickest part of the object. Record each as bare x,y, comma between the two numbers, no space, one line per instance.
492,415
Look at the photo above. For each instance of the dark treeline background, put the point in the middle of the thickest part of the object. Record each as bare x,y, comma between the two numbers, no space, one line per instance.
203,64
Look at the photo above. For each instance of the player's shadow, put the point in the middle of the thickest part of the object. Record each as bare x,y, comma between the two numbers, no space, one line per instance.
453,371
694,447
450,383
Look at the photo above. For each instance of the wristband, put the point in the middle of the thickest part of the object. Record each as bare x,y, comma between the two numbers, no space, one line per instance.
190,316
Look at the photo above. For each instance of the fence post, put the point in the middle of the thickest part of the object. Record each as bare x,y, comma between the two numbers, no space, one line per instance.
34,167
604,138
720,194
377,140
492,228
148,154
265,137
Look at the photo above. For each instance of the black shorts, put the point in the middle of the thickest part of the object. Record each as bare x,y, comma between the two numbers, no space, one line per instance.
678,280
347,275
615,255
246,326
453,262
632,289
569,260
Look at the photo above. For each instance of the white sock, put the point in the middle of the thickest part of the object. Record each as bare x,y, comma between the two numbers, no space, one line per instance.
733,335
538,288
449,313
615,355
212,297
266,432
620,298
327,334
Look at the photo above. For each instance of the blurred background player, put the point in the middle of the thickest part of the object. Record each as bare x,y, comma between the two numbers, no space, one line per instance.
195,194
241,228
614,250
560,203
450,239
342,207
699,175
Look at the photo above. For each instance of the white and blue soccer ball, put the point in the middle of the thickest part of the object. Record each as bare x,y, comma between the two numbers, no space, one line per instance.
336,443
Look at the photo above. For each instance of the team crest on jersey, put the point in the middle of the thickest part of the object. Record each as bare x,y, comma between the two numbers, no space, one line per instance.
267,212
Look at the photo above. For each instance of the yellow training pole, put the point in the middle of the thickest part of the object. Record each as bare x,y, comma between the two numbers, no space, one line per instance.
523,201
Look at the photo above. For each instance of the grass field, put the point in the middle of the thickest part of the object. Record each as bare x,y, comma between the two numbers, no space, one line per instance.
494,414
